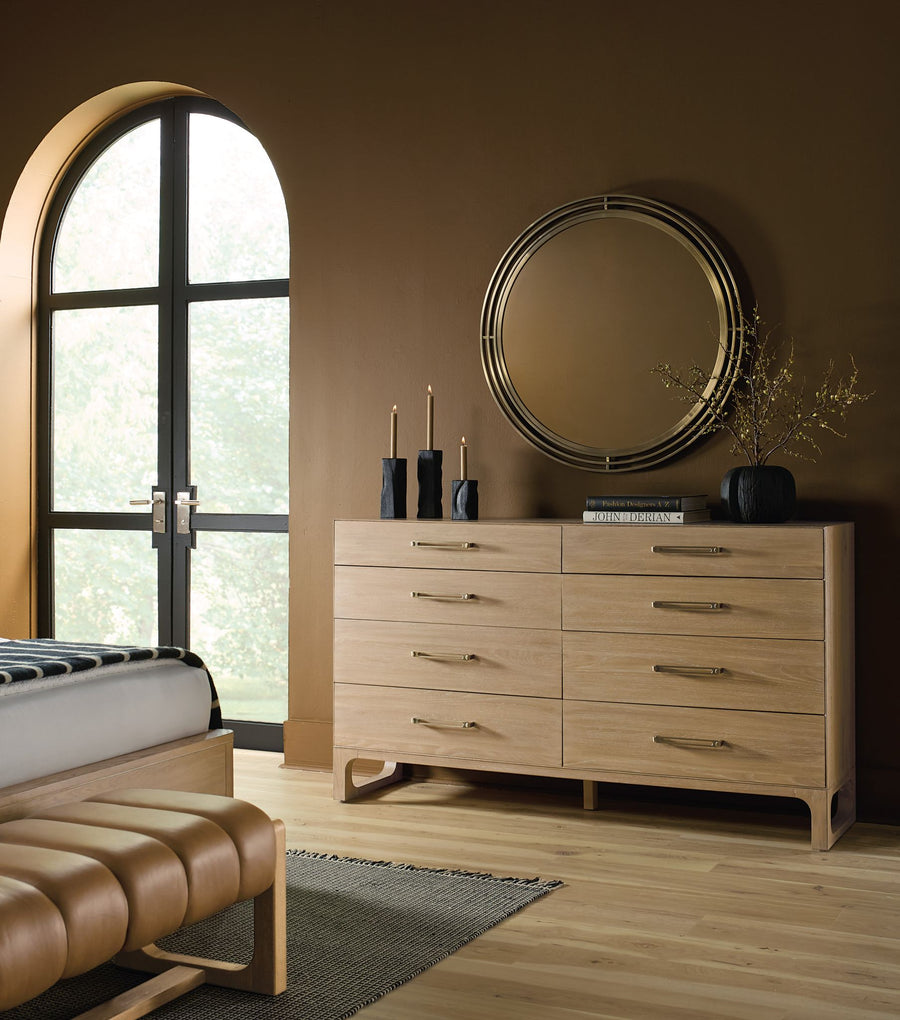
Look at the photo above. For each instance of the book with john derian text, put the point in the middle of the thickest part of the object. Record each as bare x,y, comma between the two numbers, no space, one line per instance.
644,516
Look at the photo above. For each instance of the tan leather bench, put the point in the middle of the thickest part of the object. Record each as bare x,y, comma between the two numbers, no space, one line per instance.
105,878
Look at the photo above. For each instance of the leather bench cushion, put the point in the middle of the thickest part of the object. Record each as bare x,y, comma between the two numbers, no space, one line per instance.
249,828
87,895
150,873
33,947
207,853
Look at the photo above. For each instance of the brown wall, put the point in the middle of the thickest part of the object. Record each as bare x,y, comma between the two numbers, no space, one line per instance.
415,139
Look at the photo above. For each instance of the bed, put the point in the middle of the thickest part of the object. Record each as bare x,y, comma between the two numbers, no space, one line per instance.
80,719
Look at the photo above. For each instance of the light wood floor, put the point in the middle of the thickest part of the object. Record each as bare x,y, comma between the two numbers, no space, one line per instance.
669,913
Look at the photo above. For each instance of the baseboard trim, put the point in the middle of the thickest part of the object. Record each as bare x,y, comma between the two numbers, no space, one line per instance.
308,743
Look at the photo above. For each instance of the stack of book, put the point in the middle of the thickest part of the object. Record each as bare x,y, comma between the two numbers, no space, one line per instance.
645,510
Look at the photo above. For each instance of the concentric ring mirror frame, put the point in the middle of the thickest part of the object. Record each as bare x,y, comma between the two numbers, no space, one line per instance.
671,442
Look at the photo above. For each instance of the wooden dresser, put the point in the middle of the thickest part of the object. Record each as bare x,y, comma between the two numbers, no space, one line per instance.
710,656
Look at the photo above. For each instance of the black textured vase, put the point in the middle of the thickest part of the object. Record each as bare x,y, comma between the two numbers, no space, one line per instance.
759,495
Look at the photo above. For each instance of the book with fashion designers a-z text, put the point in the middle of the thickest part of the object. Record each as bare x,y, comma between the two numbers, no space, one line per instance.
679,503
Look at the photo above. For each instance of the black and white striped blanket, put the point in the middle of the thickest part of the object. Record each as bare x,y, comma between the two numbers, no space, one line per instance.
31,660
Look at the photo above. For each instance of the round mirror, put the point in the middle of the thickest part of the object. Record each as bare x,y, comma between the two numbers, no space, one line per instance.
581,308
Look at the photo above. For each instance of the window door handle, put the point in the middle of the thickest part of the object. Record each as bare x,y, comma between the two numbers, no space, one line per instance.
183,504
158,503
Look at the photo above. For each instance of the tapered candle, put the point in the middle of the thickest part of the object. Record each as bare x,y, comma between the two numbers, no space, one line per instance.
463,462
394,432
429,421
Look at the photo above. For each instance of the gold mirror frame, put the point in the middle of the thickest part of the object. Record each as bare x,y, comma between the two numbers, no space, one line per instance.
671,442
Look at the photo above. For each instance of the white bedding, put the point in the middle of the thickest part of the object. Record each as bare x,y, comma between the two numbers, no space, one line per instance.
58,723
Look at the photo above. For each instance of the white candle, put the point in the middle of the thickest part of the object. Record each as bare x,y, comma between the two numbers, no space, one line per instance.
429,421
394,432
463,462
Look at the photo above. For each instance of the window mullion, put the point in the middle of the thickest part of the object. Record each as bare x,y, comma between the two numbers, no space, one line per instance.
167,430
176,345
102,298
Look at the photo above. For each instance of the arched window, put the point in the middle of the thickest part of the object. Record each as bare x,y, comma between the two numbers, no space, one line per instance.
163,454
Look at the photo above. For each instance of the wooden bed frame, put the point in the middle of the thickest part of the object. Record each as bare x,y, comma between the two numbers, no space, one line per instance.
201,764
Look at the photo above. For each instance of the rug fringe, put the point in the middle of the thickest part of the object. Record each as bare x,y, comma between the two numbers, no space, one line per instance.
531,883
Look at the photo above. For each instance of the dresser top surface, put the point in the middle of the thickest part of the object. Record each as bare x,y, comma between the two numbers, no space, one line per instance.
571,522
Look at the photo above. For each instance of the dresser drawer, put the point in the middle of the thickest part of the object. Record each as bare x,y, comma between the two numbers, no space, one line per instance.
741,673
497,728
487,660
459,545
476,597
723,606
713,550
753,747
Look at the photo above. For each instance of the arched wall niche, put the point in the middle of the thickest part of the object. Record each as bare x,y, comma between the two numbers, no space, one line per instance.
19,235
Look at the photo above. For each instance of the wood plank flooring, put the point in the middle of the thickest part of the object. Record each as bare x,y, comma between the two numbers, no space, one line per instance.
667,913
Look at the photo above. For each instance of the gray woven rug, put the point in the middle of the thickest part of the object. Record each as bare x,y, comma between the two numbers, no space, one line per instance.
356,930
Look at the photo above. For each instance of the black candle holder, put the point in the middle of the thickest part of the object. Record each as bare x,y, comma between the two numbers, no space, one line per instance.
393,488
429,470
464,497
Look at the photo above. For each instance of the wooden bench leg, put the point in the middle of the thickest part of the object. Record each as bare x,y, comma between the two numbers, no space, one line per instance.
146,997
267,970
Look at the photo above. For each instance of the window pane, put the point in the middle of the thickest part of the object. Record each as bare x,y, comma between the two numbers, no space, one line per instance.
237,222
239,405
239,621
109,235
105,587
104,413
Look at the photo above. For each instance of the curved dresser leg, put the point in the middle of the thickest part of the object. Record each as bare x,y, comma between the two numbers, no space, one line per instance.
346,788
827,828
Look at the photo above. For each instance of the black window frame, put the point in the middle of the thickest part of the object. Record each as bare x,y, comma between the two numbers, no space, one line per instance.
173,295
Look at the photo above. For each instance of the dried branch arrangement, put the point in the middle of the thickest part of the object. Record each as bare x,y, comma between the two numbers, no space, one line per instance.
770,410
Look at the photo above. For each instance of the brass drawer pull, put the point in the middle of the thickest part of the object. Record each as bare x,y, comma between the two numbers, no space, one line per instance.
443,545
704,606
463,596
689,741
444,725
690,550
690,670
453,656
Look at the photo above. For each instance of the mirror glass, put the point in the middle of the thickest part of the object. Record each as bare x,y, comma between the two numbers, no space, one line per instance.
582,307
